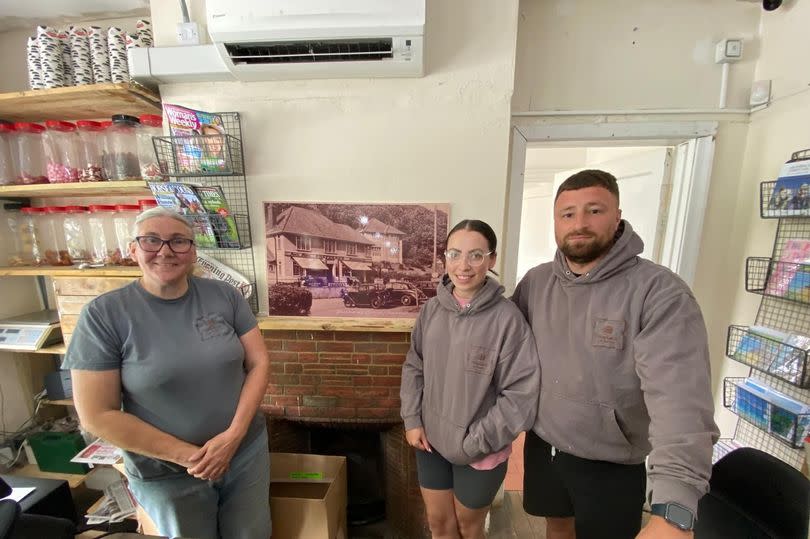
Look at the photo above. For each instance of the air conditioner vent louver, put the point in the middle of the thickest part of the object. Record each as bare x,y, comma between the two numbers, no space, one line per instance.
292,52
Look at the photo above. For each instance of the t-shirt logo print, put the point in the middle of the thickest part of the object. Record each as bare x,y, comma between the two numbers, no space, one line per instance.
608,333
210,326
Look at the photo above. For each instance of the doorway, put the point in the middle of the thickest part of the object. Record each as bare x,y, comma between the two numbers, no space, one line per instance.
664,171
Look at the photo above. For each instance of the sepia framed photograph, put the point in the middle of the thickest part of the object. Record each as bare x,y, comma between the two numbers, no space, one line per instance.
353,259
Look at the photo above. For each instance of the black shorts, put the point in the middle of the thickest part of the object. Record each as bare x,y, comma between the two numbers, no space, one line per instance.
605,498
475,489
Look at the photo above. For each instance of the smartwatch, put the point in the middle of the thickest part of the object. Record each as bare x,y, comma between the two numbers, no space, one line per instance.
676,514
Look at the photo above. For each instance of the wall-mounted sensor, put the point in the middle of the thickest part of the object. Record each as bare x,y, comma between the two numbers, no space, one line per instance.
728,50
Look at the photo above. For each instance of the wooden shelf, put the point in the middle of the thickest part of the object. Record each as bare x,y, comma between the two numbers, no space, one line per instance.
58,402
319,323
79,102
70,271
122,188
53,349
32,470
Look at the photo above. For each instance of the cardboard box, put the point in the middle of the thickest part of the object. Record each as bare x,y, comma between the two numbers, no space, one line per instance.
308,496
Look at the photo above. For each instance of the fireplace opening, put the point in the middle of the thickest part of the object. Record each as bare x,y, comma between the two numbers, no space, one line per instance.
365,469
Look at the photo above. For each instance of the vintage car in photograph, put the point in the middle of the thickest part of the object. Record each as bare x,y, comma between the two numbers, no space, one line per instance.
405,293
377,295
366,295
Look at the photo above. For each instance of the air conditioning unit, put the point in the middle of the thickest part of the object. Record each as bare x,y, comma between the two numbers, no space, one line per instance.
304,39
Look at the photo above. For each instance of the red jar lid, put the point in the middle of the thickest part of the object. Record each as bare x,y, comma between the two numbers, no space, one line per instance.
89,125
152,120
106,123
29,209
59,125
101,207
127,207
75,209
55,209
6,128
28,127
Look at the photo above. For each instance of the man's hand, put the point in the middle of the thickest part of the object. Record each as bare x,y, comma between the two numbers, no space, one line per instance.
212,460
416,438
659,528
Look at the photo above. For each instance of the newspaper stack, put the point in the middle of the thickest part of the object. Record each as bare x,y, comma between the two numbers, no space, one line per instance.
116,505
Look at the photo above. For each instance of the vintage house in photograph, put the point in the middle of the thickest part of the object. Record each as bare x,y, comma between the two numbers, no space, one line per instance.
304,246
387,241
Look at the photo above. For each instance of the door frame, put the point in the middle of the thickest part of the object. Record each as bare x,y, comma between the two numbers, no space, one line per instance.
568,134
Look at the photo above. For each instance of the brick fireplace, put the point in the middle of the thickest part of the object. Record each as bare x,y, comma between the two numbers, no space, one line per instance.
346,380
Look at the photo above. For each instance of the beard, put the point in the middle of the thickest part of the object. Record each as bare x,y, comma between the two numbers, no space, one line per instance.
584,252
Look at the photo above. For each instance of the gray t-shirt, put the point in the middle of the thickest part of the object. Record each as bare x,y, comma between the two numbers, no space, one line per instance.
181,361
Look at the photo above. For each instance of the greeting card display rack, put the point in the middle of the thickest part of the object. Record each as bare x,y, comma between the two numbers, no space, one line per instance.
785,306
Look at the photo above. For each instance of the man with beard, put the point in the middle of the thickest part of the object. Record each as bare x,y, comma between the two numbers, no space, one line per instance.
625,374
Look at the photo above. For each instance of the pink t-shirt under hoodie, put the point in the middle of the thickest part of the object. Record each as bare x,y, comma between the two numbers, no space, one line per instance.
492,460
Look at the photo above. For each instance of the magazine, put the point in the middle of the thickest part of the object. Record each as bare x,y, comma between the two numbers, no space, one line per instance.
764,348
182,198
791,192
98,452
222,221
202,144
795,253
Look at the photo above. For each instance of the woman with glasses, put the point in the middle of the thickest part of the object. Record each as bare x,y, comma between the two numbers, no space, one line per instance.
172,368
469,386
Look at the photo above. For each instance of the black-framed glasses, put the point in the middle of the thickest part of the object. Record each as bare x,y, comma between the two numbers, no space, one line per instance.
153,244
474,258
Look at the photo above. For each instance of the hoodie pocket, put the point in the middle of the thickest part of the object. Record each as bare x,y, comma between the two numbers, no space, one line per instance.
445,436
585,429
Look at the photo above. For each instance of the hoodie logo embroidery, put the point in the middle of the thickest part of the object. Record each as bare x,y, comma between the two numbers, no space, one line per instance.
479,360
608,333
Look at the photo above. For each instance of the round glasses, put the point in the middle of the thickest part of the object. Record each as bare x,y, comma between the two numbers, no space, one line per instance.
474,258
153,244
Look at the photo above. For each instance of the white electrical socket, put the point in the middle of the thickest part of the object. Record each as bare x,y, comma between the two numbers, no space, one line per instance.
188,33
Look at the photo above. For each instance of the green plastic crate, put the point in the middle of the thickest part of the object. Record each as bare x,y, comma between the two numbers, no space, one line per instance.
53,451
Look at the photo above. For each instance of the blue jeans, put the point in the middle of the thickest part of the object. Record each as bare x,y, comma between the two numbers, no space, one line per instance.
237,506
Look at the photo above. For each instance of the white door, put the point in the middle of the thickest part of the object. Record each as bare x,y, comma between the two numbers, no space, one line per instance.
690,192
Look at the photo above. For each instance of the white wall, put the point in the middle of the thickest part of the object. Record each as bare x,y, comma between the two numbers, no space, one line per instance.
626,54
441,138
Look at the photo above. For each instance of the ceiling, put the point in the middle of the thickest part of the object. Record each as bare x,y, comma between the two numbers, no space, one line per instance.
17,14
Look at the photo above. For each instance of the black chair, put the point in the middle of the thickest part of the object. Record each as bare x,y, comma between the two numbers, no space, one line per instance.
753,495
14,525
9,512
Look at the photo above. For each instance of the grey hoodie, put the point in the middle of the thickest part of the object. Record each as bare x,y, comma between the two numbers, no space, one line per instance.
472,374
625,364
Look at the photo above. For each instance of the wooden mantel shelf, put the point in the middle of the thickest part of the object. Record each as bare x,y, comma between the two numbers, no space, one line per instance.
79,102
318,323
